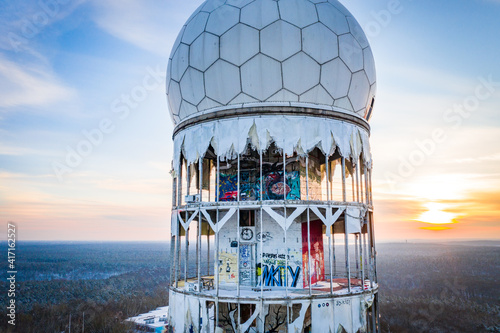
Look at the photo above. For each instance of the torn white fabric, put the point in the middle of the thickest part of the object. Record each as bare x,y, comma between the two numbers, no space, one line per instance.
246,325
353,220
174,223
230,137
297,325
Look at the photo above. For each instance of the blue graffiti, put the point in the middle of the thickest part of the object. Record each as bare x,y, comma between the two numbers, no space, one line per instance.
275,276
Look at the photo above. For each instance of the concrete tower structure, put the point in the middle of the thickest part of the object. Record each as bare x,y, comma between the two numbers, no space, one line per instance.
272,218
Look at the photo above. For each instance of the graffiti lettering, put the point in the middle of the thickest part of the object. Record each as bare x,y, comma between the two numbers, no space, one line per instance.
276,276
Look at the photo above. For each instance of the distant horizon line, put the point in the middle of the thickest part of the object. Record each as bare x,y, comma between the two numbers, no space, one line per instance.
415,240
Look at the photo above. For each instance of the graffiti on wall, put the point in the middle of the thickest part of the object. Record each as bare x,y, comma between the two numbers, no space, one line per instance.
276,276
275,271
317,253
228,187
275,187
248,185
264,236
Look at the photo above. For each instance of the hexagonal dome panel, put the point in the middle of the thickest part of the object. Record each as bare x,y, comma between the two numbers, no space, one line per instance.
359,90
336,78
192,86
351,53
186,109
195,27
174,97
259,14
320,43
261,77
232,52
204,51
344,103
357,32
298,12
330,16
247,49
369,65
222,19
300,73
222,81
208,103
317,95
280,40
180,62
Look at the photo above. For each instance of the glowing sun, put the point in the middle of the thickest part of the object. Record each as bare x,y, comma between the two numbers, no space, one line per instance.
436,214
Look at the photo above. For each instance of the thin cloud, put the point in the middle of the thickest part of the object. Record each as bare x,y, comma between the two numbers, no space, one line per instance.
30,86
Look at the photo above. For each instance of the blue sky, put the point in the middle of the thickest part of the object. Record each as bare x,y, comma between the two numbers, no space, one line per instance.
69,68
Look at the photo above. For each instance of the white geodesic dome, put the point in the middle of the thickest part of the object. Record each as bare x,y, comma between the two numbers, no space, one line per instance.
259,52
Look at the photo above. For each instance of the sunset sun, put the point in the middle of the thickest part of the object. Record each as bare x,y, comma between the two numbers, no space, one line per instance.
436,214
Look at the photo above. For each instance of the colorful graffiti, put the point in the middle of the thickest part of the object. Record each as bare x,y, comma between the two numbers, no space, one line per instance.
276,276
317,253
249,185
228,187
275,188
276,272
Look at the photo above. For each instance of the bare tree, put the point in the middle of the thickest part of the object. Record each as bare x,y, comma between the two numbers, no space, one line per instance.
277,319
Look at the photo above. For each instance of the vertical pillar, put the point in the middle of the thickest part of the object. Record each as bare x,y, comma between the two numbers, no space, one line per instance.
361,257
216,257
198,239
333,250
329,209
172,264
374,247
361,187
238,198
366,270
285,231
356,254
178,256
308,226
347,260
173,238
346,235
367,195
261,197
370,250
208,250
187,251
344,190
188,185
179,186
357,182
